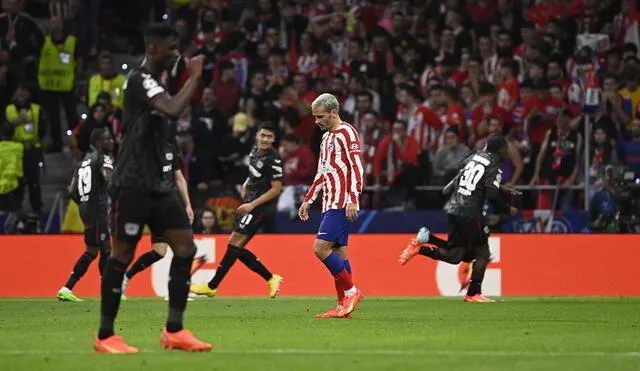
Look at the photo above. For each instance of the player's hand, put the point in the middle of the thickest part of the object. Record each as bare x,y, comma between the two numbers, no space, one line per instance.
303,211
195,66
190,214
352,212
513,211
245,209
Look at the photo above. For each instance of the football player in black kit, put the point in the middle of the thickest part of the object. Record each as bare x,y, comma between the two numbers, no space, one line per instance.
171,170
89,189
478,180
260,195
141,195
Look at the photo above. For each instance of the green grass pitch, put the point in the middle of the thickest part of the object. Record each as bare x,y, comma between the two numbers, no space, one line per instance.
385,334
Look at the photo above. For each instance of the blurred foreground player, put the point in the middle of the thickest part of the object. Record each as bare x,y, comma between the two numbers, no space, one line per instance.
339,177
171,171
478,180
143,196
260,195
89,189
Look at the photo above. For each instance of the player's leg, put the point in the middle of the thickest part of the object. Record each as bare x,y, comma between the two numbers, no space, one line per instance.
169,220
251,226
129,212
450,251
228,260
93,238
481,257
334,229
158,251
144,261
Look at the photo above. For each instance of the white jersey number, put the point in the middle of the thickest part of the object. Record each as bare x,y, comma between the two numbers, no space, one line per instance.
84,182
471,175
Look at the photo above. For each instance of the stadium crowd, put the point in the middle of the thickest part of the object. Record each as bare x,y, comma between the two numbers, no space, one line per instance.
424,83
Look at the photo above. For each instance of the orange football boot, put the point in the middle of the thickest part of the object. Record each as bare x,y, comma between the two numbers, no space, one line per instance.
350,303
183,340
478,298
114,345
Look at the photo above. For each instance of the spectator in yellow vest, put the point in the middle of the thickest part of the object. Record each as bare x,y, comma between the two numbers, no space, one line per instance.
56,77
107,80
26,121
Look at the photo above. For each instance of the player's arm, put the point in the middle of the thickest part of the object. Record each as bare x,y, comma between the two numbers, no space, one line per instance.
273,192
316,186
156,95
354,157
492,188
107,169
183,188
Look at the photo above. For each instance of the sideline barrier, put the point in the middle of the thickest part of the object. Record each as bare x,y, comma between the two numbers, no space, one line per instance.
523,265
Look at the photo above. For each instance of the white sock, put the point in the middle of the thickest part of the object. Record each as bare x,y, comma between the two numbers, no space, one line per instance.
352,291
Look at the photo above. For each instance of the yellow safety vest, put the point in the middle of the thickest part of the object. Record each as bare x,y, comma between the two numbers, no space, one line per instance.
114,87
11,170
57,65
26,131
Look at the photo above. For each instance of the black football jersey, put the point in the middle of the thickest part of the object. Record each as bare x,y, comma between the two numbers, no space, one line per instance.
89,188
171,161
479,172
145,134
264,167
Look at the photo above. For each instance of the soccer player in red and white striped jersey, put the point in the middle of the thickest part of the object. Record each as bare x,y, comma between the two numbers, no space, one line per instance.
339,177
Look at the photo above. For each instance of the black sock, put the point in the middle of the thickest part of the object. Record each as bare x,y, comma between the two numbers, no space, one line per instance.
437,241
475,287
179,281
79,269
143,262
251,261
102,261
111,291
229,258
427,251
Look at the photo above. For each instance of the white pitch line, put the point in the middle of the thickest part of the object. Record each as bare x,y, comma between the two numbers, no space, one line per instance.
403,353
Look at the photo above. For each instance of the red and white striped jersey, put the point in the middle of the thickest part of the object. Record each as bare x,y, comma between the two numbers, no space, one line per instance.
340,170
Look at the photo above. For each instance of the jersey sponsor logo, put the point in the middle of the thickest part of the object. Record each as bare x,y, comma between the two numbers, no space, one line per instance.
277,160
259,164
131,229
166,168
254,172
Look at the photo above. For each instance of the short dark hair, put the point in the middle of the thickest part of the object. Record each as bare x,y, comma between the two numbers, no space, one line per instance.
159,32
97,135
495,143
268,125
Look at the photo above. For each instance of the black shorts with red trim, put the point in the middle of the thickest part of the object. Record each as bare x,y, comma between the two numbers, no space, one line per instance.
467,233
133,208
96,233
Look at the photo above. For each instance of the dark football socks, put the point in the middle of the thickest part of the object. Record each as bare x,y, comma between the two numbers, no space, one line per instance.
437,241
230,256
79,269
143,262
252,262
111,291
179,281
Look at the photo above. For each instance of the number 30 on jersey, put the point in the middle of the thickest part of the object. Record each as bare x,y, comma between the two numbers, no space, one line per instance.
471,175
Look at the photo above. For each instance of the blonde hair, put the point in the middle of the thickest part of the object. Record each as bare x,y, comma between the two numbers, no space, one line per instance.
326,101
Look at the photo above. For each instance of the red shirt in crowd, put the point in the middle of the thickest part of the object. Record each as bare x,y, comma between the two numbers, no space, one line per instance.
538,126
478,115
508,94
300,167
425,127
391,162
